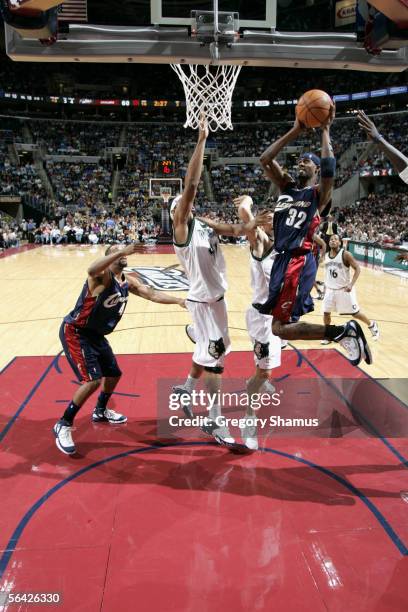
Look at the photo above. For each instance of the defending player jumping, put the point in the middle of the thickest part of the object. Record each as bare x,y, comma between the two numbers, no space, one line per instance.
296,217
340,295
97,312
197,247
266,346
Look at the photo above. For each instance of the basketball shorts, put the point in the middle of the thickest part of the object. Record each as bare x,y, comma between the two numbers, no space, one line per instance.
211,333
292,279
340,301
89,355
266,346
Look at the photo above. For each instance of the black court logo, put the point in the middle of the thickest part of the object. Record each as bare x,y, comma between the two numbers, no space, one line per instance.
216,348
261,349
162,279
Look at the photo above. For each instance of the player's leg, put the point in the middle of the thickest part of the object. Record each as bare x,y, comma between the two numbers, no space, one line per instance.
329,305
111,376
372,325
258,383
212,345
195,333
86,368
217,346
293,301
326,321
267,355
347,303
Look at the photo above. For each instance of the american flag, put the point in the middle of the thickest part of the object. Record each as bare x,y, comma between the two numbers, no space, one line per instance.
73,10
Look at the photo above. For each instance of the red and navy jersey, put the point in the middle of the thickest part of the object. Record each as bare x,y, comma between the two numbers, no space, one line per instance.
101,313
293,214
308,242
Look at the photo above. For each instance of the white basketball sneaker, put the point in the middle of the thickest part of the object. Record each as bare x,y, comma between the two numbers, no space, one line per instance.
249,435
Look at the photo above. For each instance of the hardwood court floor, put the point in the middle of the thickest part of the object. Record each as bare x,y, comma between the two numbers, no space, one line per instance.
40,286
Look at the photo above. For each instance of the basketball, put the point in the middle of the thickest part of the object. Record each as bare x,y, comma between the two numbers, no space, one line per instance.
313,108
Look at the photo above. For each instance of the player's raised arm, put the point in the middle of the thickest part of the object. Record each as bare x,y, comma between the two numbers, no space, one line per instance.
398,160
244,209
327,164
100,266
268,162
192,180
258,238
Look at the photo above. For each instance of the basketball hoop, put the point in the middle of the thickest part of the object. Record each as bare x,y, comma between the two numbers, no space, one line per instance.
208,93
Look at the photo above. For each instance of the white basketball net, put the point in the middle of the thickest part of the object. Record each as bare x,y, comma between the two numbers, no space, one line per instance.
165,193
210,93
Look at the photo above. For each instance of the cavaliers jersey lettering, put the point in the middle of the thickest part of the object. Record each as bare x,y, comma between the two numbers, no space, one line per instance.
100,313
293,214
337,274
203,263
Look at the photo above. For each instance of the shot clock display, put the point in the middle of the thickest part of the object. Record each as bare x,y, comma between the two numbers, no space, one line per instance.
166,167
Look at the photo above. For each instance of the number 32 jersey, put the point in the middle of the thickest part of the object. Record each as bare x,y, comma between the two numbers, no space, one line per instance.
293,215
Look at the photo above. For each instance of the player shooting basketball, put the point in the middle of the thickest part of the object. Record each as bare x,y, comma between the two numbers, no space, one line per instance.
296,217
197,247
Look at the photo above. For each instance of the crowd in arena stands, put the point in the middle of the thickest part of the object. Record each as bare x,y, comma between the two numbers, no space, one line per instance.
377,219
79,228
83,185
22,181
149,145
380,219
64,138
10,232
152,143
230,181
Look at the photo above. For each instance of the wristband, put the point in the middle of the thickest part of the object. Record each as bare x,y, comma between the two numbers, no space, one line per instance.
377,139
328,167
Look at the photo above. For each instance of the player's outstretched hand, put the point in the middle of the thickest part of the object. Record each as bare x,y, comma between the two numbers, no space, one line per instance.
263,218
332,114
243,199
299,126
401,257
130,249
182,303
367,125
203,130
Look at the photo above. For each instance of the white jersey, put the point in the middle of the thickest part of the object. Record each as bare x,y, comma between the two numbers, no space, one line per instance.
260,276
337,274
203,262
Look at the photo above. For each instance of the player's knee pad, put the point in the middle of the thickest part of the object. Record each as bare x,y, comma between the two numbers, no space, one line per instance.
214,369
